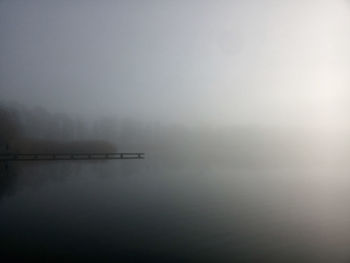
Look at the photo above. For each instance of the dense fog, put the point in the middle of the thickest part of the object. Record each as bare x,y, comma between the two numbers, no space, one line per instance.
200,62
235,187
241,109
35,130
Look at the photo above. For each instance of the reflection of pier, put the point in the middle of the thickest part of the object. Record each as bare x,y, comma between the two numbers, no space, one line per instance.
68,156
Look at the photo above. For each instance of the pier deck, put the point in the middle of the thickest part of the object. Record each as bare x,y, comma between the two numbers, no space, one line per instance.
68,156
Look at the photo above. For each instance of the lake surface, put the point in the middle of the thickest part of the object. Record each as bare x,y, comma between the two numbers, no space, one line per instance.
146,211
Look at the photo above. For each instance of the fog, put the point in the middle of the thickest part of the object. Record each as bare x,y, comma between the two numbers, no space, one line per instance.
241,109
217,63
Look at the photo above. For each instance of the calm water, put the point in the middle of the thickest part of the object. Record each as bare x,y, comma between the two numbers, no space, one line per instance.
138,211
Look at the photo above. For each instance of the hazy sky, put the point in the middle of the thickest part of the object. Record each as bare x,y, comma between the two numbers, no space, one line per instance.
221,62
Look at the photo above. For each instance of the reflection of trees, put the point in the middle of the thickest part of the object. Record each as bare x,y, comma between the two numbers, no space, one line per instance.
17,176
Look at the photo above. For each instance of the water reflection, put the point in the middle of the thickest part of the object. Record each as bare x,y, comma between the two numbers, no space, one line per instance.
198,197
14,176
101,211
8,179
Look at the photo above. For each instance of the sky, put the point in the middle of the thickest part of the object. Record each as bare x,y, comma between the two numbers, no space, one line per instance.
263,62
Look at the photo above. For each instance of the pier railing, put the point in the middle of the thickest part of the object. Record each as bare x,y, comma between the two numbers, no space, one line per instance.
68,156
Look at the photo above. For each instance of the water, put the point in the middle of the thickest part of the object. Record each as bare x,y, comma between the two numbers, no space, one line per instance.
147,211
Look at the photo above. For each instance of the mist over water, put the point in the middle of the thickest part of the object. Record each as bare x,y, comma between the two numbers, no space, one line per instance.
241,194
241,109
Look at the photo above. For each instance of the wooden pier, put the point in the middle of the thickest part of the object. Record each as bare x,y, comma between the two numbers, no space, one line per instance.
68,156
